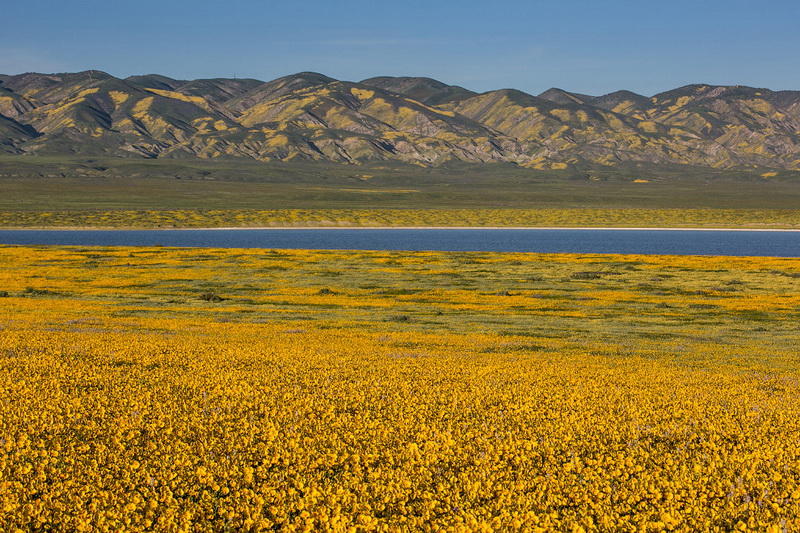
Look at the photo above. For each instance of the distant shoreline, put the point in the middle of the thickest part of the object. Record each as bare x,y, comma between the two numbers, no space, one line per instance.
242,228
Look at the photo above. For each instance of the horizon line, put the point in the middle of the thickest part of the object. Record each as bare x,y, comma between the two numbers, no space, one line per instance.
429,77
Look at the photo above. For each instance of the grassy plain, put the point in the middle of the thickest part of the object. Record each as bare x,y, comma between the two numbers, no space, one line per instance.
184,390
62,192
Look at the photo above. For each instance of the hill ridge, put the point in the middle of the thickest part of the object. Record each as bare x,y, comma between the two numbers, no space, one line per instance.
419,120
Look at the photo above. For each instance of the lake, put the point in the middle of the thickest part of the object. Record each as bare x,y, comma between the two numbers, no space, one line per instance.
639,241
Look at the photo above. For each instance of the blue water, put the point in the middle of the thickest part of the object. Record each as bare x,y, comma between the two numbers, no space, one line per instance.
679,242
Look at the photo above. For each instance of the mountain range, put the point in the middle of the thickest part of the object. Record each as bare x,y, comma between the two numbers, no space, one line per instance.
415,120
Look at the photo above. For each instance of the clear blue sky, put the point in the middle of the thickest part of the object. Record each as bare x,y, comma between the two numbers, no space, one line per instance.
585,46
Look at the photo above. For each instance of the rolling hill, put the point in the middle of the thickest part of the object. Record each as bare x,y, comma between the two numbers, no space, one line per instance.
310,116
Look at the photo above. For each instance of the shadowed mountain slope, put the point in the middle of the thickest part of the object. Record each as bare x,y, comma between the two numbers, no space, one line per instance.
13,134
155,81
426,90
624,102
560,96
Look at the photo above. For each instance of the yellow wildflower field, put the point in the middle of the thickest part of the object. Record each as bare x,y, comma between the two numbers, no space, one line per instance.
542,217
229,390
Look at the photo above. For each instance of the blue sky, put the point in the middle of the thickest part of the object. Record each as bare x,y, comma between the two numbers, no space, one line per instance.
592,47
